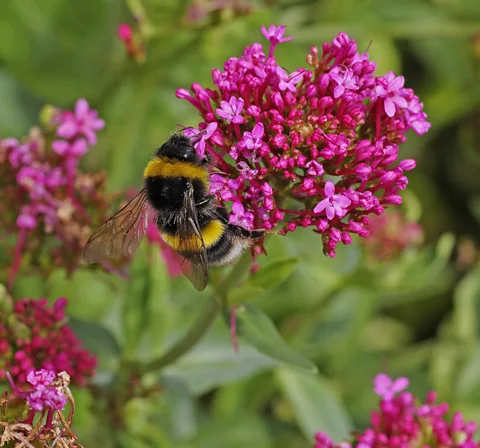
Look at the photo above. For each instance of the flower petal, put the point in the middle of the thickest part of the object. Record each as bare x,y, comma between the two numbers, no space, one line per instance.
329,189
389,107
396,84
342,200
81,108
330,212
321,206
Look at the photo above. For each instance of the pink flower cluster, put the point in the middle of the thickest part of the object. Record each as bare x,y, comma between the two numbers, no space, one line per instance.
43,396
403,421
35,336
323,140
44,192
390,235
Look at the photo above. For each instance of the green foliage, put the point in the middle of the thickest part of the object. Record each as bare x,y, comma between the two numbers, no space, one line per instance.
300,313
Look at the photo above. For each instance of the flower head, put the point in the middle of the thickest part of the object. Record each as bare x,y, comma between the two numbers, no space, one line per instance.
231,110
403,421
83,121
44,396
34,336
390,88
46,195
325,138
391,234
384,386
333,204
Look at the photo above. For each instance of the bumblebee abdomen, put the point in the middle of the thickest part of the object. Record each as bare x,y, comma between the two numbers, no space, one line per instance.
231,244
212,233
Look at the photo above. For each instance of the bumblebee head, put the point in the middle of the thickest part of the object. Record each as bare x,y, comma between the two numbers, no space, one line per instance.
178,147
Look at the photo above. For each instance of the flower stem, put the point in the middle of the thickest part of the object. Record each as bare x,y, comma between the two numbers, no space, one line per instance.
192,336
201,326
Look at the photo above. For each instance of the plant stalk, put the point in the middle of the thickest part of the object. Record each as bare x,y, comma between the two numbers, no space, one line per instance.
202,325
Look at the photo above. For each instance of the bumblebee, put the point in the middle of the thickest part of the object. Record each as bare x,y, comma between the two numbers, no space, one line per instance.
176,198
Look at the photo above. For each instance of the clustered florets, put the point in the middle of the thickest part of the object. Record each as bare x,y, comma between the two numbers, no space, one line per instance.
46,193
390,235
325,138
402,421
35,336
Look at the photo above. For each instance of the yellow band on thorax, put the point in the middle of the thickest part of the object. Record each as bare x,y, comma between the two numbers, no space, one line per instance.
165,167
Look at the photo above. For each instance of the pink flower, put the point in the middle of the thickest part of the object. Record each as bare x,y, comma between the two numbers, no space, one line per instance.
384,386
389,88
49,346
83,121
289,82
75,149
230,111
253,140
292,130
200,137
125,32
345,80
33,179
334,204
43,396
40,377
240,217
275,34
403,421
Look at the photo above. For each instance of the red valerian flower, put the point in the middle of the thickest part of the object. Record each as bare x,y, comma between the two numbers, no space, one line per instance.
317,147
404,421
35,336
390,235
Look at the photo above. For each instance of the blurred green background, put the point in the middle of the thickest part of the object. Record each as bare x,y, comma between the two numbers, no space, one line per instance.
416,316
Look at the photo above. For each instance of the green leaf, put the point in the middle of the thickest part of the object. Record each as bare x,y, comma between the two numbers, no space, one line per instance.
257,328
99,341
467,307
160,314
43,43
134,311
237,296
315,405
274,273
468,381
90,293
181,410
214,362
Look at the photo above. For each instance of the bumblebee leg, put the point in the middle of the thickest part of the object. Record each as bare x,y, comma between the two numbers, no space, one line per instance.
222,214
206,201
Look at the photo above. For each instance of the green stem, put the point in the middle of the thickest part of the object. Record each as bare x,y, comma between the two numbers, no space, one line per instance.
201,326
190,339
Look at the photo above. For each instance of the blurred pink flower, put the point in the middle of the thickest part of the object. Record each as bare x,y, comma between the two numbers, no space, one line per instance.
403,421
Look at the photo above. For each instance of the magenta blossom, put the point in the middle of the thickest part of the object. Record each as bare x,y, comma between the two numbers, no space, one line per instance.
333,119
390,88
82,121
231,110
384,386
334,204
403,420
125,32
275,34
43,396
200,137
38,338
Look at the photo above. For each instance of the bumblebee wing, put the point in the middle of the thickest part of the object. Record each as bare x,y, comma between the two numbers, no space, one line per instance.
195,264
122,233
